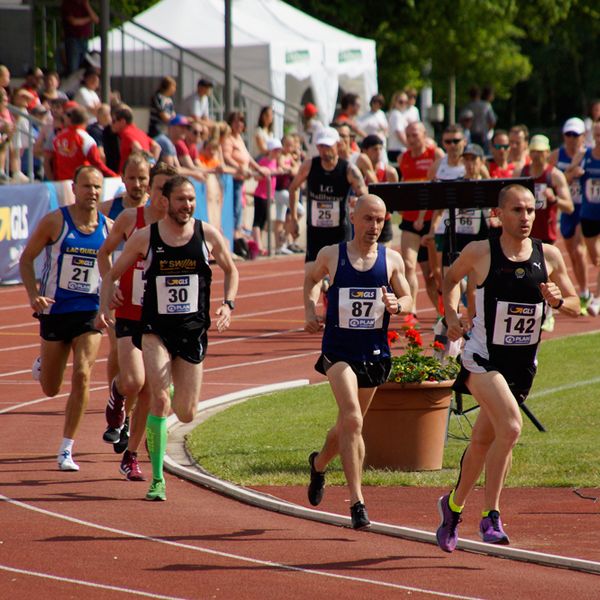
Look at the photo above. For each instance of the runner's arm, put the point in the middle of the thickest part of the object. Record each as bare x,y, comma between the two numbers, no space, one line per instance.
312,285
400,301
298,180
118,233
563,195
45,233
560,287
356,180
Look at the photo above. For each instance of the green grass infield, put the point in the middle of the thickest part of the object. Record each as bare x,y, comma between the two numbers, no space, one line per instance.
266,440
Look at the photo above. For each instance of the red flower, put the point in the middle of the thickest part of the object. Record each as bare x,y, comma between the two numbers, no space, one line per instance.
414,337
438,346
411,321
393,337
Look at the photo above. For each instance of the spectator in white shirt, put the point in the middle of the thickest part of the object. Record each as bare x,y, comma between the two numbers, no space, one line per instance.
411,112
87,96
374,122
197,107
397,126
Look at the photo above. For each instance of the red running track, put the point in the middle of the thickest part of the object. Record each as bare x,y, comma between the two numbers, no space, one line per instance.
90,535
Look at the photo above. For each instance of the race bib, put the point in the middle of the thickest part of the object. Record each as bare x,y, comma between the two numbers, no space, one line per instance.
177,294
138,285
592,190
325,213
517,324
468,222
360,308
79,274
540,196
575,189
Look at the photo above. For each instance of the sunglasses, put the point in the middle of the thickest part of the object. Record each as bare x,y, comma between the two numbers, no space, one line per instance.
572,134
196,131
502,146
453,141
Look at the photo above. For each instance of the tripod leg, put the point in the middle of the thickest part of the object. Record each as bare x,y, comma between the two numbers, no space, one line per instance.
532,417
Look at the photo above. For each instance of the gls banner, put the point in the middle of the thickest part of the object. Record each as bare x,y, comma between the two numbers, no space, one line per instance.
21,208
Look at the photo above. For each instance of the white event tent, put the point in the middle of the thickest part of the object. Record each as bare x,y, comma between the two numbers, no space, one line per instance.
275,46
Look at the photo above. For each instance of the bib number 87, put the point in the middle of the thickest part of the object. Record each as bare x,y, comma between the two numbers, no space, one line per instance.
358,307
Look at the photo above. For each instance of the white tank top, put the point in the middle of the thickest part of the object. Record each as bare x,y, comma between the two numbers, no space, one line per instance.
447,172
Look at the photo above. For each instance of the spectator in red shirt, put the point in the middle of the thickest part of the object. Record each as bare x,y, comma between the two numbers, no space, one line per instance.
33,82
178,129
132,138
74,147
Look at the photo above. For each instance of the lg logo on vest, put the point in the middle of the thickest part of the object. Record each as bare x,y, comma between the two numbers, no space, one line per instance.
13,223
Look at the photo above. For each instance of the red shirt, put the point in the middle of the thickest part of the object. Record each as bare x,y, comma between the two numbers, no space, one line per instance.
131,283
545,226
130,134
74,147
415,169
500,173
182,148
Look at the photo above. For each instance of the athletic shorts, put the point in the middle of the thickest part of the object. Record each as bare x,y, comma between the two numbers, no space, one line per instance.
410,227
518,377
127,327
368,374
568,223
188,344
590,228
65,327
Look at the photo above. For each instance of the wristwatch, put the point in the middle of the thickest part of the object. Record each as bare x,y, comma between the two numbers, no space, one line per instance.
399,309
229,303
560,303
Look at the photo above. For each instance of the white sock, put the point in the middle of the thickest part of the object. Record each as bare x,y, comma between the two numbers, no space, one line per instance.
67,444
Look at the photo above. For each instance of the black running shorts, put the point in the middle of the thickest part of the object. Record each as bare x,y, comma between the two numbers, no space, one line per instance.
65,327
368,374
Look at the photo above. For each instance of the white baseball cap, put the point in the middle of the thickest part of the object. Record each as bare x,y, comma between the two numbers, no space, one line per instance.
574,125
328,136
274,144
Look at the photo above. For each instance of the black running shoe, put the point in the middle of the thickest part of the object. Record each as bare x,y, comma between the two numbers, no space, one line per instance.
121,444
360,518
317,482
112,435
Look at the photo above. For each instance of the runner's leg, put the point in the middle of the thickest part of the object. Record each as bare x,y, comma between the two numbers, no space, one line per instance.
54,357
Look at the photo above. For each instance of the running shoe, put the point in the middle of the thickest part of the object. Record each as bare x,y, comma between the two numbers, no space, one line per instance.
130,467
157,490
317,482
446,534
121,444
115,409
359,516
594,307
584,302
283,250
295,248
548,324
36,368
66,462
112,435
490,529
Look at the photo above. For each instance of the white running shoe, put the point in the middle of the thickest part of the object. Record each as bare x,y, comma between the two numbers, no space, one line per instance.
594,307
36,369
66,462
283,250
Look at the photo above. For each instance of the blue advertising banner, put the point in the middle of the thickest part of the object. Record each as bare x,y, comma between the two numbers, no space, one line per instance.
21,209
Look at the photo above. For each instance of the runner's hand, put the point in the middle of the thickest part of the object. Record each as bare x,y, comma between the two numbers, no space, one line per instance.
456,328
103,320
40,303
391,302
117,298
224,318
551,293
313,324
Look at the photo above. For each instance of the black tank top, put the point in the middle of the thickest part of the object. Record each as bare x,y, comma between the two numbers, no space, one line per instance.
326,201
510,307
178,280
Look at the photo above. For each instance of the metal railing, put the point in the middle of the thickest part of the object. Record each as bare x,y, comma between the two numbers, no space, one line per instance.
29,132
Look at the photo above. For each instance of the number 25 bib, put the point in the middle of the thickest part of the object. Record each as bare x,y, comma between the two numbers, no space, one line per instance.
325,213
177,294
360,308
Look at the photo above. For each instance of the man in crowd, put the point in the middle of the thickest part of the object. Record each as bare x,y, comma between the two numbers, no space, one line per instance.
66,302
368,285
197,106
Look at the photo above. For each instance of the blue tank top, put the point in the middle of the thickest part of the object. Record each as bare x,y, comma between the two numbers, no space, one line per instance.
590,187
563,163
116,208
357,321
70,275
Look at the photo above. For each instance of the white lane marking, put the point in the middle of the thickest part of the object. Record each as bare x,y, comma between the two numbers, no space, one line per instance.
101,586
229,555
46,399
563,388
262,362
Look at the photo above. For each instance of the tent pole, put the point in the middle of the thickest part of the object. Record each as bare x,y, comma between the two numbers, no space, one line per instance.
105,72
228,74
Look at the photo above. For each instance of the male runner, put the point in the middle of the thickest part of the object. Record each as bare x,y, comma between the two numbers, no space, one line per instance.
127,389
175,310
368,285
516,277
66,302
136,175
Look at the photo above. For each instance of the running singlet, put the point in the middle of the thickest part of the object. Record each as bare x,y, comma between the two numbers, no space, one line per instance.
497,172
177,293
415,169
590,186
326,199
131,283
546,214
70,275
509,308
357,322
446,172
116,208
563,163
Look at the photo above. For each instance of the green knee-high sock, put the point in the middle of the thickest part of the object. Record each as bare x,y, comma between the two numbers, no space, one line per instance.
156,434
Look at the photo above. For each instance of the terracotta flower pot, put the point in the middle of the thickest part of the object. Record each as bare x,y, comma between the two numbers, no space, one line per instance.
405,426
